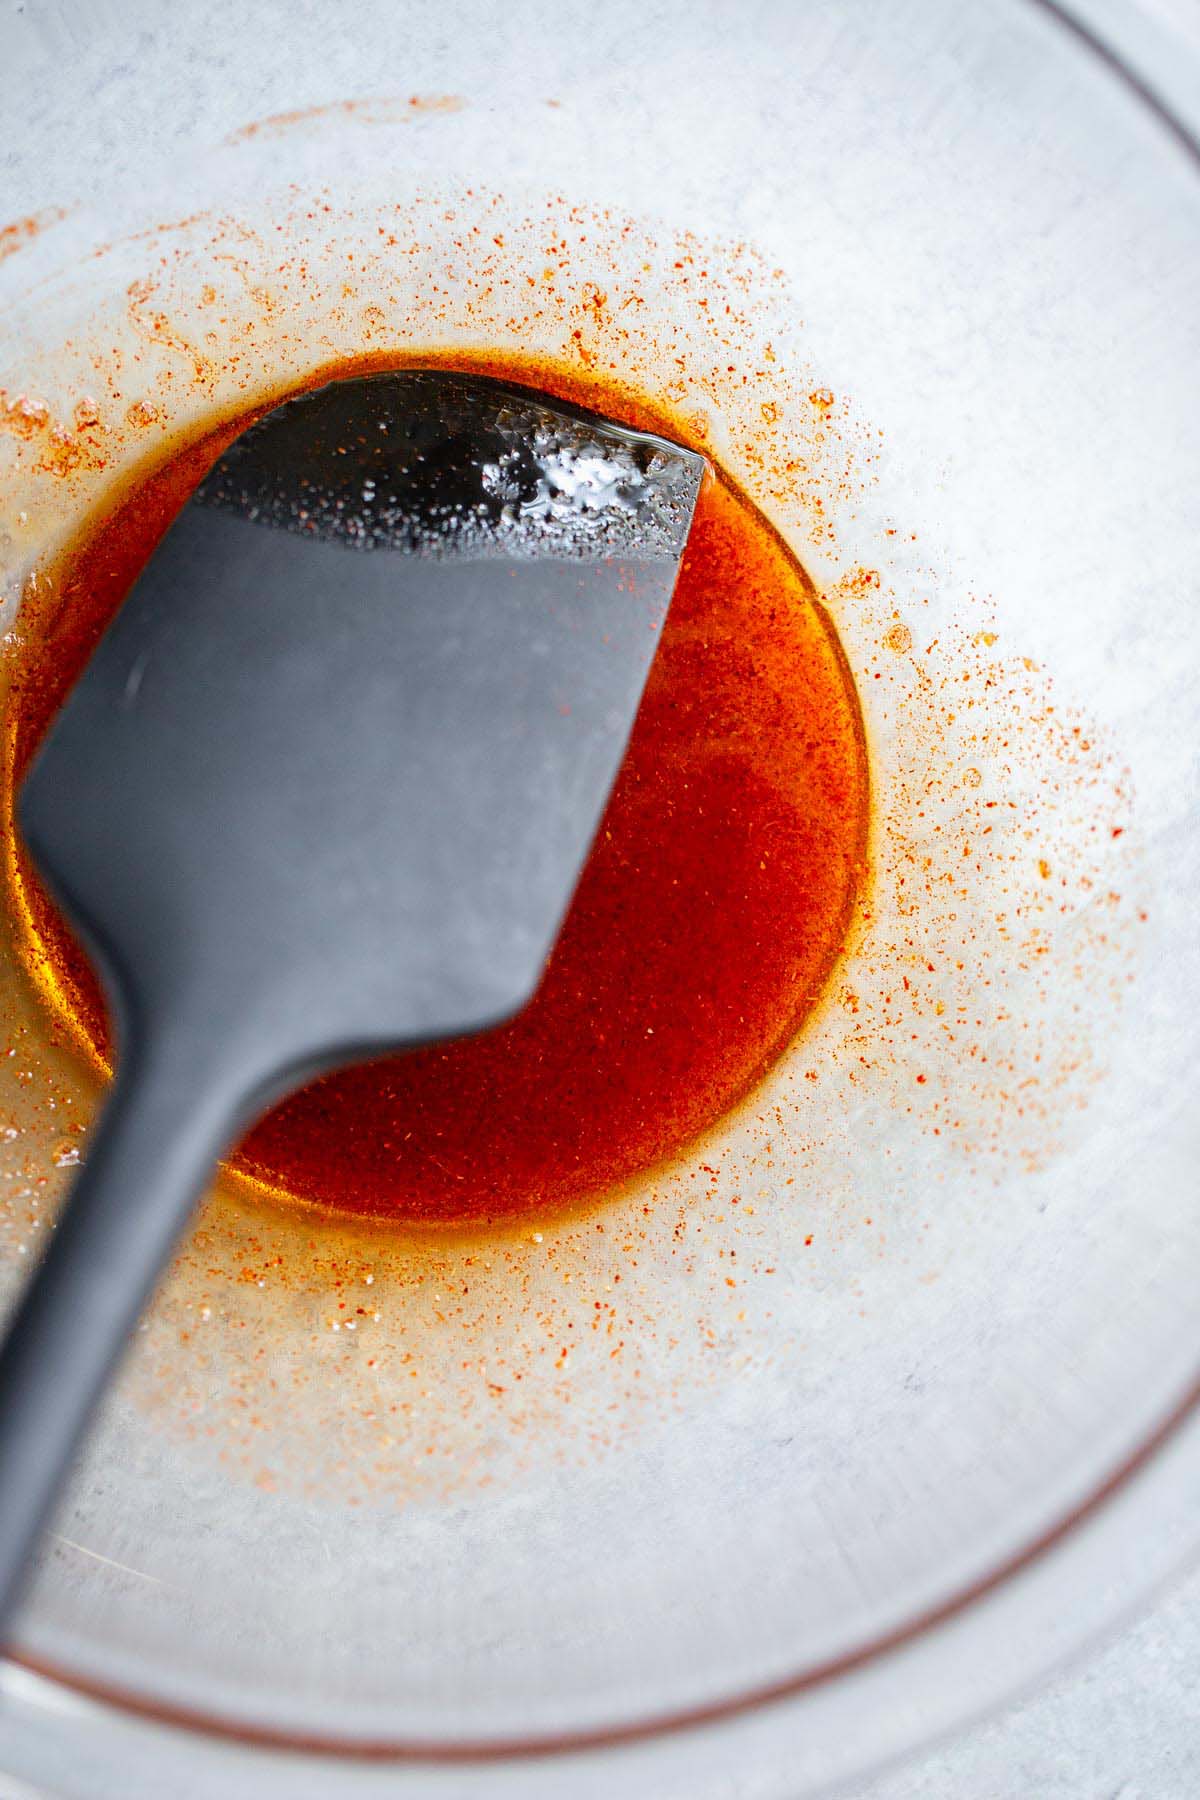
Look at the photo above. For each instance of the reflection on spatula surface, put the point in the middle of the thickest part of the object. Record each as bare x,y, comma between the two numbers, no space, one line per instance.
324,791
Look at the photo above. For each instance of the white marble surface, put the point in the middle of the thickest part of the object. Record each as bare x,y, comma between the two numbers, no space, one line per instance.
1122,1725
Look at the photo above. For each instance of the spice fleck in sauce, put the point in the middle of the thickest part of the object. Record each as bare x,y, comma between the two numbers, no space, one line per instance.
714,904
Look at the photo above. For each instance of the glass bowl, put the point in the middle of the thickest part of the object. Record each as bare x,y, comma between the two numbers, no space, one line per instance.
818,1438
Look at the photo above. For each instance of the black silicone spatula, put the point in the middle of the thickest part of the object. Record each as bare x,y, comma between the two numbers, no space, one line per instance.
324,791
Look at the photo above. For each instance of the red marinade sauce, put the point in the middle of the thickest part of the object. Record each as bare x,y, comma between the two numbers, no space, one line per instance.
714,905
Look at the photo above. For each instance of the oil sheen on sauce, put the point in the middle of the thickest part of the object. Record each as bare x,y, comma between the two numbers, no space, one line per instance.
714,905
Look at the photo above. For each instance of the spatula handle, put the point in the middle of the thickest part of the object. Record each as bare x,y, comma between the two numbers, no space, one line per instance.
151,1156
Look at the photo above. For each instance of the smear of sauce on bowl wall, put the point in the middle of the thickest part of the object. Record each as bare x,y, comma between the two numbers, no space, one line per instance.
714,905
960,1043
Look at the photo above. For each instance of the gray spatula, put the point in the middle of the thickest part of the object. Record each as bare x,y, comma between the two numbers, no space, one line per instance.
324,791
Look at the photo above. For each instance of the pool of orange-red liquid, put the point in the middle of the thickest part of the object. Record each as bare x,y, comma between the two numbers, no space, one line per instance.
713,907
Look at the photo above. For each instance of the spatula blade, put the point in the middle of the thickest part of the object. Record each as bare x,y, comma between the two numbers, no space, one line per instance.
329,779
